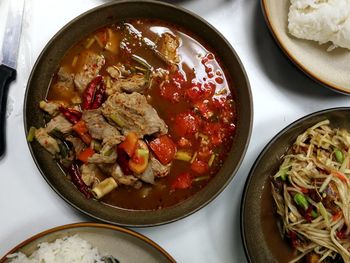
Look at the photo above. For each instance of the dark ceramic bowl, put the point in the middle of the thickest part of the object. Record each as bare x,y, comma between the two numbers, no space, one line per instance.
261,238
88,22
124,244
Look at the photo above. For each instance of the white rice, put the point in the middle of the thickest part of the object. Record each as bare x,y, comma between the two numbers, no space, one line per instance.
66,250
321,20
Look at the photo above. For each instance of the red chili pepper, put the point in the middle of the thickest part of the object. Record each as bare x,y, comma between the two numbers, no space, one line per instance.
341,233
123,161
71,115
293,238
75,176
307,214
89,92
100,97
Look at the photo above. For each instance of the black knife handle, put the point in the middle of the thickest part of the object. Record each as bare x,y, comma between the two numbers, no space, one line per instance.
6,76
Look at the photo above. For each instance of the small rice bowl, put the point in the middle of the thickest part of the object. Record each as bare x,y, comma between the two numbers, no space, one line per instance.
321,20
71,249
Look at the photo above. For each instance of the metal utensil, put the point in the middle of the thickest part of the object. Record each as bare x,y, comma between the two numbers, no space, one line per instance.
8,63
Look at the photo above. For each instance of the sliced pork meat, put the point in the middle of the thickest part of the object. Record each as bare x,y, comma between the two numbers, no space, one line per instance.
167,45
129,180
64,86
148,175
114,72
64,75
131,112
50,107
159,169
100,129
89,174
46,141
59,123
91,66
134,83
99,158
116,172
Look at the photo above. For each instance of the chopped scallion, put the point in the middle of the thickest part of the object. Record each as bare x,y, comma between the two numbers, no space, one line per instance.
183,156
194,157
89,43
211,160
31,134
74,62
117,120
201,178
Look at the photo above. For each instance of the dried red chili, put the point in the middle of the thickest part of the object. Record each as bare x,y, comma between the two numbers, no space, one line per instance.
89,93
100,96
71,115
75,176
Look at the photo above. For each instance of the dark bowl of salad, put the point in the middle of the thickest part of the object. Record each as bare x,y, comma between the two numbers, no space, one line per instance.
294,205
138,113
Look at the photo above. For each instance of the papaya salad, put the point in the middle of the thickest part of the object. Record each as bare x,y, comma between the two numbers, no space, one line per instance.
311,191
140,115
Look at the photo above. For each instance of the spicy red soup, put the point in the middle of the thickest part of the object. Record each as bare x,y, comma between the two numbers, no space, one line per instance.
140,115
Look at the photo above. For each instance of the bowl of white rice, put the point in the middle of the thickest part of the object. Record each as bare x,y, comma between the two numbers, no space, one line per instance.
87,243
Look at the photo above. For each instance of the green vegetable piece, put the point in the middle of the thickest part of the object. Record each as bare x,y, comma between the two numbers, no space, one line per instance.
117,120
301,201
31,134
95,145
142,152
183,156
201,178
107,152
63,150
339,155
283,174
314,214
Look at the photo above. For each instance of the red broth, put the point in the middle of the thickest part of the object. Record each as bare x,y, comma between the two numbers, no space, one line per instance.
197,105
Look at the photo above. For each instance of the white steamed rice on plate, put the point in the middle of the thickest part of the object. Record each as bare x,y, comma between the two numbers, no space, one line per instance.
321,20
71,249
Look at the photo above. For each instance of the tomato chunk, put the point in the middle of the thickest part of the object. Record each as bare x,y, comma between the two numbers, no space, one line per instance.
195,92
85,154
130,143
139,161
171,89
182,181
199,167
186,124
164,149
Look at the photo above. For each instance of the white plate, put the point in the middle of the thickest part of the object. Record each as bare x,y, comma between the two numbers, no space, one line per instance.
331,69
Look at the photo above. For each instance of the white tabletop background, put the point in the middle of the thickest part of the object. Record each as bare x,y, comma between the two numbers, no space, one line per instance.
281,95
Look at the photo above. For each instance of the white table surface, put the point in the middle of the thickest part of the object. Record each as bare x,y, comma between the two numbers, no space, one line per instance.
281,95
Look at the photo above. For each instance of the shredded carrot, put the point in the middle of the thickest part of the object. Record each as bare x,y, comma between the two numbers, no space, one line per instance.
340,175
304,190
337,215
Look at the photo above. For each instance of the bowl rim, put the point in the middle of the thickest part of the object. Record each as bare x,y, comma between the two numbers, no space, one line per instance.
293,59
250,113
89,225
243,207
